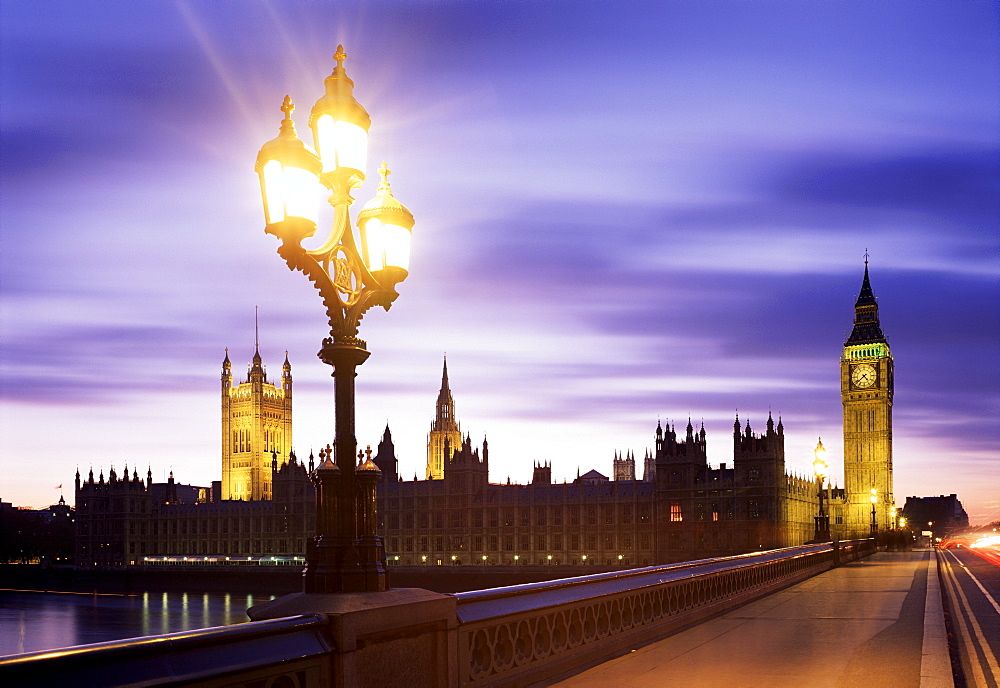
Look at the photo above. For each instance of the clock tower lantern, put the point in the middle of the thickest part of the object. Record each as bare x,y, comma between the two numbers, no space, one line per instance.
866,387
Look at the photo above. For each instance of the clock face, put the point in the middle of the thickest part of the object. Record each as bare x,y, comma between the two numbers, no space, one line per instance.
863,376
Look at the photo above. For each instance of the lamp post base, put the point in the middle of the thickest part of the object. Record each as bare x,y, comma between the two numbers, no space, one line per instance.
374,571
346,555
334,565
822,532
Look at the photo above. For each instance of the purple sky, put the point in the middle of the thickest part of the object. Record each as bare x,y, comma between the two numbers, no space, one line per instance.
625,211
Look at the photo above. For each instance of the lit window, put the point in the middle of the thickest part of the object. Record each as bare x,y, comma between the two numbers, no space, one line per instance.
675,512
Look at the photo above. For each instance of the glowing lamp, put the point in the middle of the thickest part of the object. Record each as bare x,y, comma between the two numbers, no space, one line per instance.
289,182
340,126
819,462
874,497
386,230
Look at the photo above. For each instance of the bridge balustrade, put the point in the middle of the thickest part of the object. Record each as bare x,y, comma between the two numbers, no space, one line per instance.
528,633
280,653
512,636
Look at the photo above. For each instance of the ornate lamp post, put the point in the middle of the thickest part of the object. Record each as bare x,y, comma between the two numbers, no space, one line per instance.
822,533
346,555
874,500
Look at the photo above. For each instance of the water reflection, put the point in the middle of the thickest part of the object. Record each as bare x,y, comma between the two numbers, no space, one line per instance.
144,616
33,621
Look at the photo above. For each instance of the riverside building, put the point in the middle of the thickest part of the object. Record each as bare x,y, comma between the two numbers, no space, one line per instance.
680,508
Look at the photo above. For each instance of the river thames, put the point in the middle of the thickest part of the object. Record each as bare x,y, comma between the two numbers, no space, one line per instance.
33,621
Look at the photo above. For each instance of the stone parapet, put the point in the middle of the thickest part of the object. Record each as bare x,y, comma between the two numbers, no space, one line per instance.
403,637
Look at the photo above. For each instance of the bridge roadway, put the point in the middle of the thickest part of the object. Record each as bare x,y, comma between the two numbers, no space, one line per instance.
875,622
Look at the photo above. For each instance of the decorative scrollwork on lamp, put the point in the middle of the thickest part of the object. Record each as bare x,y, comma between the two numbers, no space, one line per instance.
351,275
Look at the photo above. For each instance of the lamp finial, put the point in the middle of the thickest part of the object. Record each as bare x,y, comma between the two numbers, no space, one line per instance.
340,56
287,125
383,173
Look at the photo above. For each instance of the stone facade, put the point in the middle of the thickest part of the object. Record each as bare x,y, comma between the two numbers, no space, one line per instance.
256,423
123,520
681,508
866,390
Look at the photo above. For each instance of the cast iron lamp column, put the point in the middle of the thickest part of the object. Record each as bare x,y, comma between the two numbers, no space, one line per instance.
347,555
874,500
822,533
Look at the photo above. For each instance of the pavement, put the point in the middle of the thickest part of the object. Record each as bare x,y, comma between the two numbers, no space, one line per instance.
863,624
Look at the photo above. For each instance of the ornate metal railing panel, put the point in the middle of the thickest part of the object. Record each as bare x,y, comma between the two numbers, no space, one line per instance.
284,653
529,633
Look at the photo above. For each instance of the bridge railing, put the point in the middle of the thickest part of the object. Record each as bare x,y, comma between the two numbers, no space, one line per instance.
292,653
512,636
528,633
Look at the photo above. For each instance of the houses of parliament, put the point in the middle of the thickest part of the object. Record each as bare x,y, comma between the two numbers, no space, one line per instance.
680,507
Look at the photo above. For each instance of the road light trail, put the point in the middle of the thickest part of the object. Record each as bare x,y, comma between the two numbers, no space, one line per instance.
989,597
982,658
990,555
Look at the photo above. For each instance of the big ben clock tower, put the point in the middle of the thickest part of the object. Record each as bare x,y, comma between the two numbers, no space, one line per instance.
866,392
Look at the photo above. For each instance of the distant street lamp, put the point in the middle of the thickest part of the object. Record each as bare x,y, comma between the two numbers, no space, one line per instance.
820,466
874,500
346,555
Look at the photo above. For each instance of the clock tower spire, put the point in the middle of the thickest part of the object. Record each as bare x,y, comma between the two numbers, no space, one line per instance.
866,326
866,389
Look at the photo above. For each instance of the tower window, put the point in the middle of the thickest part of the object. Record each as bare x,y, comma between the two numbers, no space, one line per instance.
675,512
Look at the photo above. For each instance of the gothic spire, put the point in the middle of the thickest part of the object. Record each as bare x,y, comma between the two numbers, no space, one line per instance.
867,329
256,368
444,375
256,335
